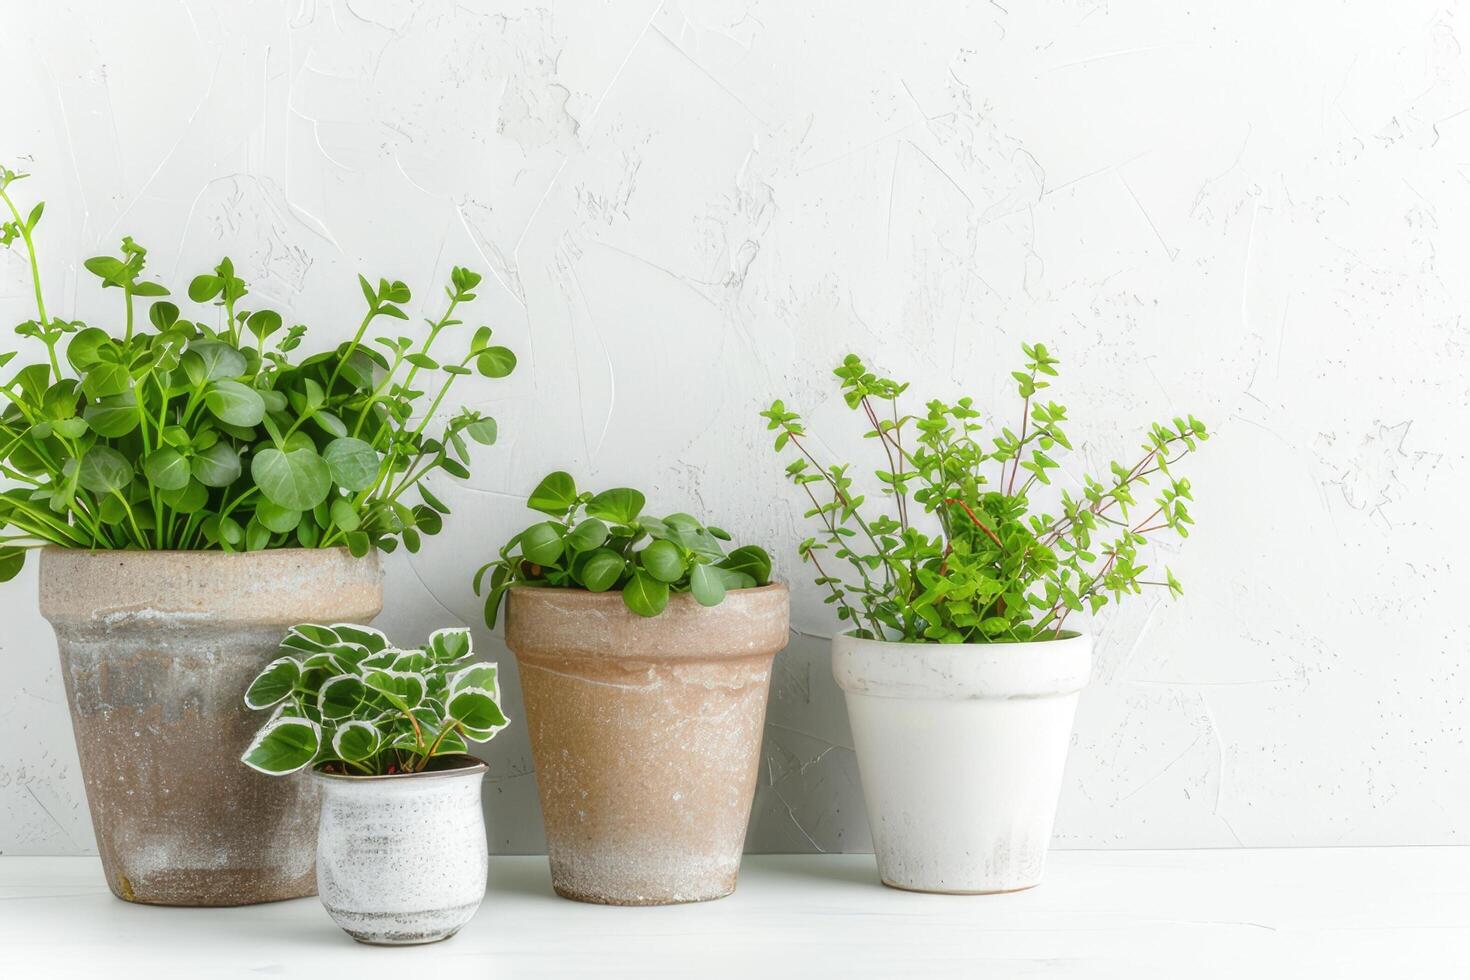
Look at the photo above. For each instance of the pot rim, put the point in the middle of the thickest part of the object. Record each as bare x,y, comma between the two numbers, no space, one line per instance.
562,590
476,767
1067,637
549,624
961,671
212,552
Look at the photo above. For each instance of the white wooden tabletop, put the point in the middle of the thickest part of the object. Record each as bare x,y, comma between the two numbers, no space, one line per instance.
1329,913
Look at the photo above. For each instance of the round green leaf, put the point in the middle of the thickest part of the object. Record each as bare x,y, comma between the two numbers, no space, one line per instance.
163,314
82,351
344,515
211,360
104,470
450,645
273,683
554,495
495,362
750,560
167,469
587,535
481,677
274,400
112,511
107,377
204,288
706,584
482,431
235,403
113,416
330,424
257,535
217,466
188,499
663,560
601,570
228,530
283,746
355,741
339,696
541,544
478,713
263,323
280,520
298,480
354,464
11,562
645,595
620,505
70,428
405,688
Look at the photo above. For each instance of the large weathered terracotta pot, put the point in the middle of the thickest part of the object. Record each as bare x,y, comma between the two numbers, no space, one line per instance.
157,649
646,735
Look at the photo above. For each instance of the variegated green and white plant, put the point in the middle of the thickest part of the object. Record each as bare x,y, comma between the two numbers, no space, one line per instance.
346,699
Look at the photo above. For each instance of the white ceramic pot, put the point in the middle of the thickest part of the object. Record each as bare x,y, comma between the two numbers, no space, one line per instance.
960,748
401,859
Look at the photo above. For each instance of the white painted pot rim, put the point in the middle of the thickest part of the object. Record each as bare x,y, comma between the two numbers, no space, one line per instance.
475,768
961,671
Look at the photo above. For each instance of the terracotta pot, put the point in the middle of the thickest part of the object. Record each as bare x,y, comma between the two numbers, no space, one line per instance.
401,859
960,748
646,735
157,649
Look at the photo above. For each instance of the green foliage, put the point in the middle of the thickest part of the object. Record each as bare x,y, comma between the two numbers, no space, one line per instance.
592,542
998,570
186,434
345,699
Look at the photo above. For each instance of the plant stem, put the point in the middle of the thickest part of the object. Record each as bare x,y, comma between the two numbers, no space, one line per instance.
975,520
25,234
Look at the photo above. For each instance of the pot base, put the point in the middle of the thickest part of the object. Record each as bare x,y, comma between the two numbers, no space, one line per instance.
404,928
211,889
956,891
636,902
408,936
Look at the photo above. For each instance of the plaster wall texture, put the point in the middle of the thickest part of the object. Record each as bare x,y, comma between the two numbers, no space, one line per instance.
1249,210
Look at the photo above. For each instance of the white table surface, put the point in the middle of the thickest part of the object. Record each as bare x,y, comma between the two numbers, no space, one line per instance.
1385,913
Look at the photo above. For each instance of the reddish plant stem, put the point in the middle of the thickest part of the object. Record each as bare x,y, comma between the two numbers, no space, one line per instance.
903,511
975,520
1016,463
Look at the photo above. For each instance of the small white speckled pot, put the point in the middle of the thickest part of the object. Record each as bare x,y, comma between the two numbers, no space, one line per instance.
401,859
960,748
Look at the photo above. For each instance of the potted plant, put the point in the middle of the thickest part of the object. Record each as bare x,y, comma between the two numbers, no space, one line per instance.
197,489
401,856
645,655
960,674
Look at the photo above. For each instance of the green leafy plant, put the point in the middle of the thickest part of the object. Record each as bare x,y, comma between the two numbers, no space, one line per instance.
592,542
348,701
998,569
178,433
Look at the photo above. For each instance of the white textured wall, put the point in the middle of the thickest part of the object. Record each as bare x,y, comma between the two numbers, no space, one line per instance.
1254,210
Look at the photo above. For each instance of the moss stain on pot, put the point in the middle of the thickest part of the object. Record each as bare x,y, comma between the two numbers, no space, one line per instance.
156,648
